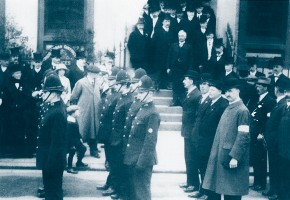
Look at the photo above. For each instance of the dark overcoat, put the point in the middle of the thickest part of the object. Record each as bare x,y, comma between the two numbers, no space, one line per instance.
189,108
232,140
283,136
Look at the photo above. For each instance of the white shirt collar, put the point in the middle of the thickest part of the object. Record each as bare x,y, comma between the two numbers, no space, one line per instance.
279,98
262,96
213,101
235,101
191,89
227,73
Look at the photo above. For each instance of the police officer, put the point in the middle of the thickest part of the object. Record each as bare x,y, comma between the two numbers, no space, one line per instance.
51,154
116,140
140,154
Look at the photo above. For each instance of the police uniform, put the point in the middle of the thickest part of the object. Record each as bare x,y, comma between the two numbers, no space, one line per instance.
52,146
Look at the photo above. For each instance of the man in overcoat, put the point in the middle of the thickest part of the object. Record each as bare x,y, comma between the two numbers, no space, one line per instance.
179,61
77,69
284,147
189,108
52,142
227,171
86,94
271,137
140,154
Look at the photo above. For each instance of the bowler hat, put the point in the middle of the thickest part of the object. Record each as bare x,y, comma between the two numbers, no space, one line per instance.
146,84
37,57
263,81
53,83
232,83
139,73
14,51
110,54
190,7
55,53
154,8
217,84
122,77
194,75
80,54
92,69
205,77
4,56
14,68
203,19
60,66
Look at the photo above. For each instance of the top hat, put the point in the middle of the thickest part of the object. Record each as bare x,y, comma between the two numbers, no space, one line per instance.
122,77
53,83
145,84
203,19
55,53
229,61
4,56
252,61
80,55
92,69
278,61
110,54
198,4
194,75
263,81
14,68
217,84
219,42
37,57
232,83
139,73
154,8
15,51
190,8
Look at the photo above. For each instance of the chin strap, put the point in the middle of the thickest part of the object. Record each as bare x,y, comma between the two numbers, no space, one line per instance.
47,97
145,97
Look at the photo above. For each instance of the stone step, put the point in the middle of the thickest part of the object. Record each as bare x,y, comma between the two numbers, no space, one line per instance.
170,126
170,117
162,100
167,109
163,93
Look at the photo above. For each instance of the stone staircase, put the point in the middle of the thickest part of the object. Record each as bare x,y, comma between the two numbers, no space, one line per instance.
170,116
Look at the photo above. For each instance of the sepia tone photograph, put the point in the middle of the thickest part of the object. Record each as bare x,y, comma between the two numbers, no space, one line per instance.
145,99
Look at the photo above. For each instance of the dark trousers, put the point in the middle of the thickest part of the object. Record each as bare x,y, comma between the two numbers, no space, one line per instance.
284,171
215,196
202,165
52,181
274,170
118,170
190,155
178,89
78,148
140,183
259,164
111,179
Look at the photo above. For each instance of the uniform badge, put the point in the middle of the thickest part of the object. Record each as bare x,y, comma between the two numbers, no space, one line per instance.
150,130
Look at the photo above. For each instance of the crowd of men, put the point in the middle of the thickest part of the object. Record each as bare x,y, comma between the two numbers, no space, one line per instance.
233,117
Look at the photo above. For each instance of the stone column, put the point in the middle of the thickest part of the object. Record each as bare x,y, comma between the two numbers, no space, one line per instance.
287,44
2,24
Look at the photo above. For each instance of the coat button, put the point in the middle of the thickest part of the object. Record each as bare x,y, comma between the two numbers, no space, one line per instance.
128,145
123,135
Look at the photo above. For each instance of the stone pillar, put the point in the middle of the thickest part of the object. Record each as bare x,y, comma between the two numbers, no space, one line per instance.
287,44
40,33
2,24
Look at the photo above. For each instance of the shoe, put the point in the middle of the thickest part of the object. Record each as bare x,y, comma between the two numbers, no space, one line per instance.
190,189
81,164
267,193
273,197
40,189
183,185
41,194
109,192
258,188
196,194
102,187
71,171
115,196
95,154
203,197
